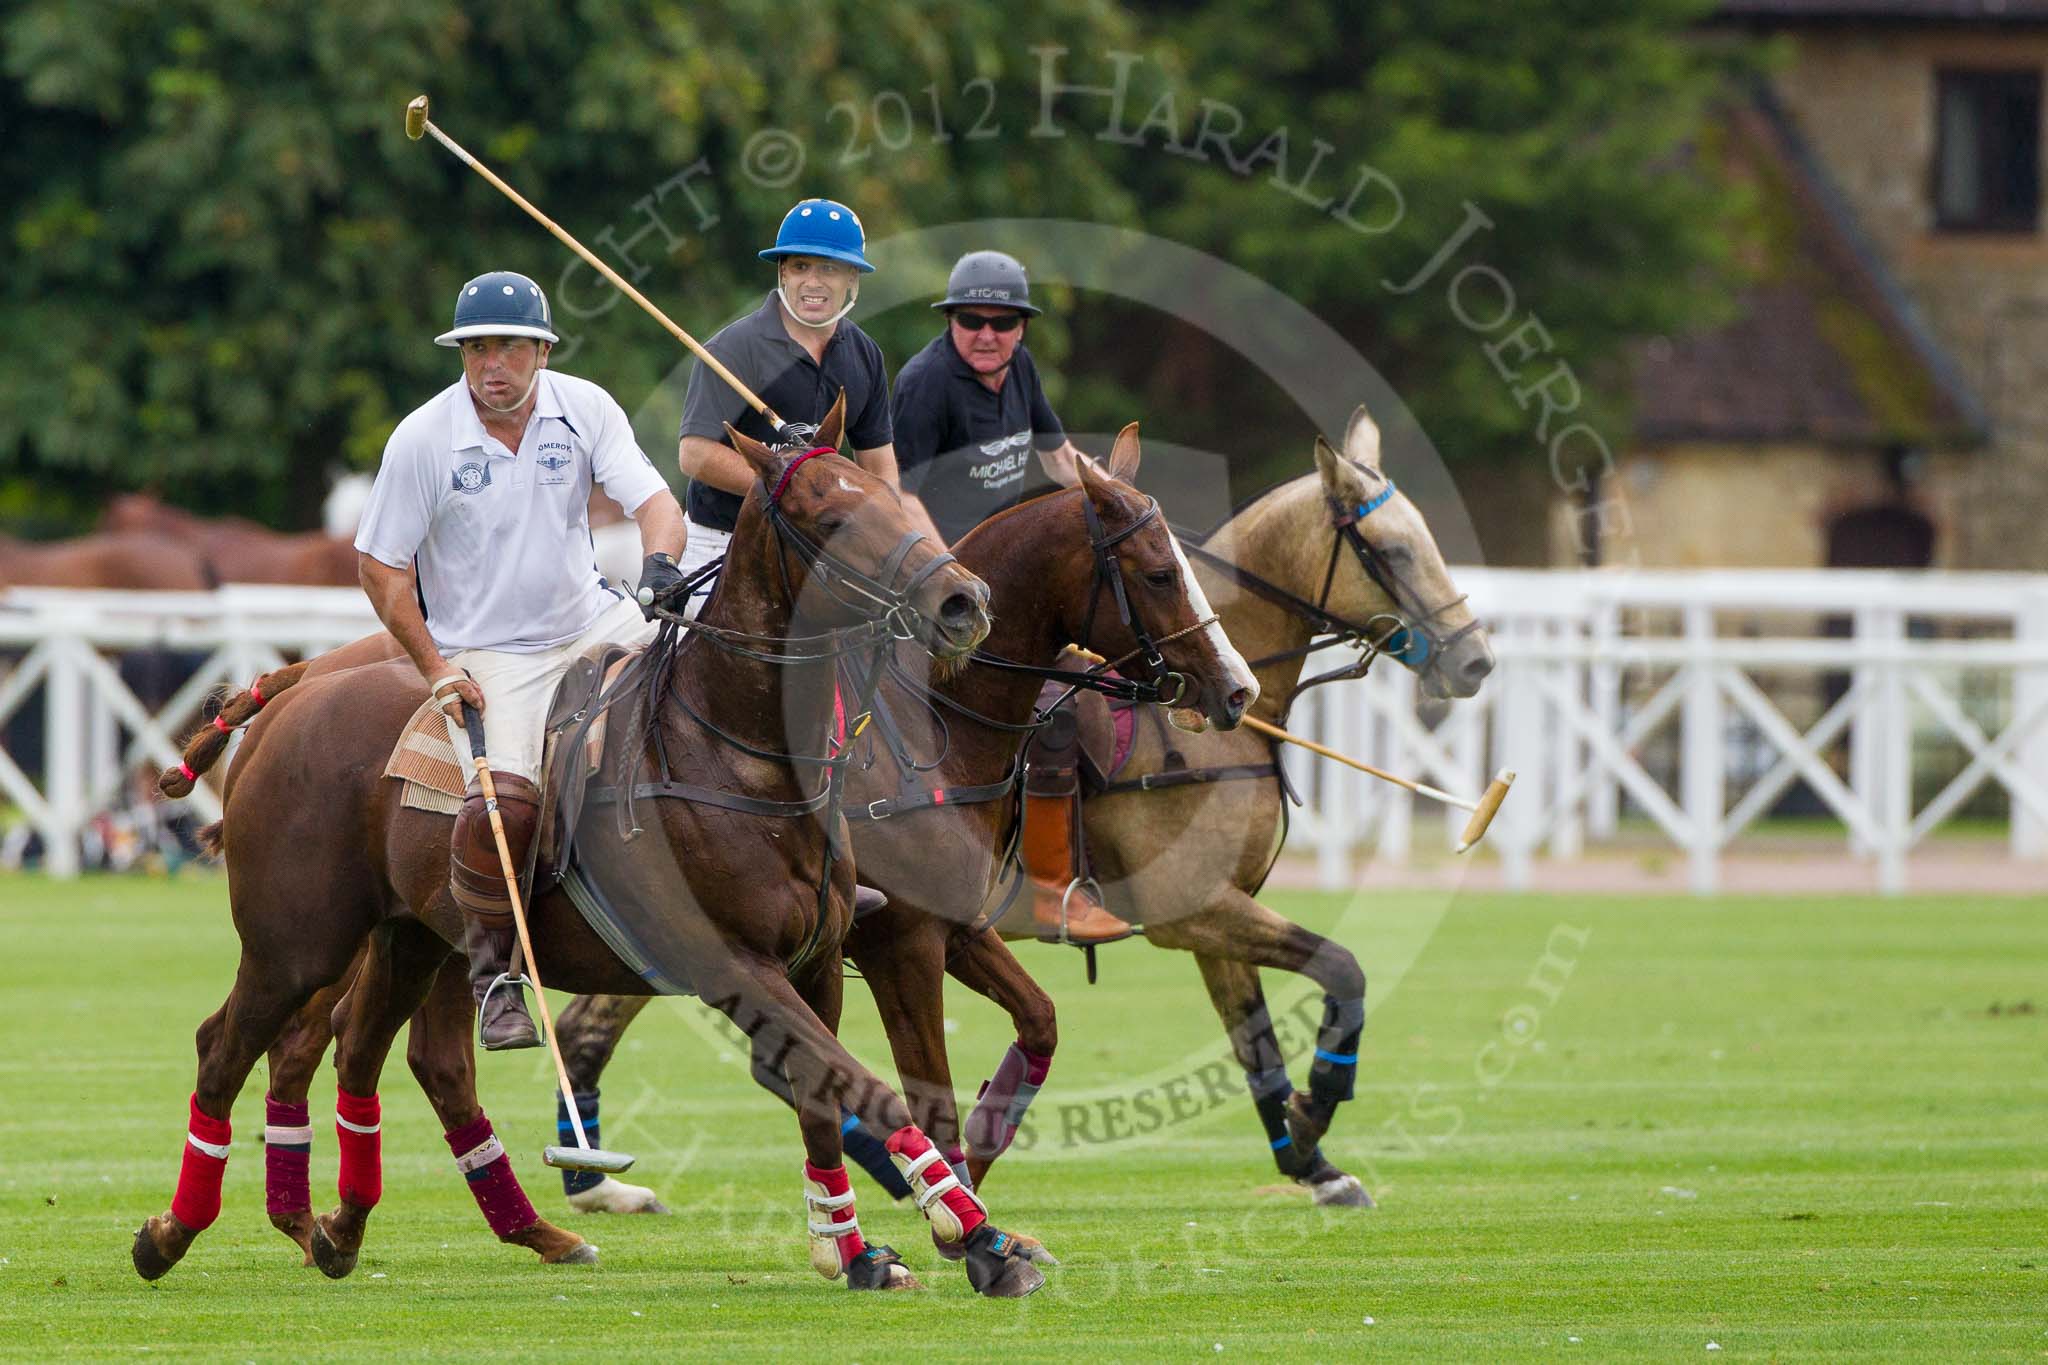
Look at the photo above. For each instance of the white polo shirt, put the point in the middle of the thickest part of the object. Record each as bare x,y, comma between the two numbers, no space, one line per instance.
500,538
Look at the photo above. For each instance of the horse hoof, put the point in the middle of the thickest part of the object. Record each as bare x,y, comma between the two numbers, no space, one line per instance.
152,1262
1340,1192
949,1251
879,1267
583,1253
299,1227
997,1267
616,1196
334,1263
1030,1248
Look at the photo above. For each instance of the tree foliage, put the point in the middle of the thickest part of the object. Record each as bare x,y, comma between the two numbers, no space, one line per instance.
227,262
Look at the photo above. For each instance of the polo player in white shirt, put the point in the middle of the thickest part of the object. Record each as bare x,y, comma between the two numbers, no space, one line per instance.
476,551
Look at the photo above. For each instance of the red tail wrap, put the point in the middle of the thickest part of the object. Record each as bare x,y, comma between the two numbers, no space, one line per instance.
197,1202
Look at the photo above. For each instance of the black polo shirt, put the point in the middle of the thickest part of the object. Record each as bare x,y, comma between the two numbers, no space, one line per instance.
761,352
964,449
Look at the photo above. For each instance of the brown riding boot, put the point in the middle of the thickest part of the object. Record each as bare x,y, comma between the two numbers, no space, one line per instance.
1066,906
476,879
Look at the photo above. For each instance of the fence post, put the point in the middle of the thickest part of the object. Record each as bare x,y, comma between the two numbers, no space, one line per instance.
64,756
1603,792
1895,742
1866,747
2029,833
1703,746
1568,753
1397,825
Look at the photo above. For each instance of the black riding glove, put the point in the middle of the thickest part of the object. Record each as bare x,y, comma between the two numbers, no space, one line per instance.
659,578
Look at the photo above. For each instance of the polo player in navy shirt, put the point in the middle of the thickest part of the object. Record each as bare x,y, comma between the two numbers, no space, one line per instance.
975,435
797,351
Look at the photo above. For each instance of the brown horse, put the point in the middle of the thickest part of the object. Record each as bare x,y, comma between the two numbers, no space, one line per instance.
239,550
938,820
1186,836
759,906
120,559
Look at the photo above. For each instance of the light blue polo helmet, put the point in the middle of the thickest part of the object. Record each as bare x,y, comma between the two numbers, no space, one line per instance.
502,303
821,227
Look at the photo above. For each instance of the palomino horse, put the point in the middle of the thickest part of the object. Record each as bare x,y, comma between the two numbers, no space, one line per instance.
236,549
759,902
932,827
1186,836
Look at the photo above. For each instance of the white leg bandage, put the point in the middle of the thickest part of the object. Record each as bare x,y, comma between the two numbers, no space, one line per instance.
944,1221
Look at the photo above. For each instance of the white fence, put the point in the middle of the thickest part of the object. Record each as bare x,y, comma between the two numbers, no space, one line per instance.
1594,667
1597,671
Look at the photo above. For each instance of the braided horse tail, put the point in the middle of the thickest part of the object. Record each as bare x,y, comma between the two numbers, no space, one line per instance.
203,750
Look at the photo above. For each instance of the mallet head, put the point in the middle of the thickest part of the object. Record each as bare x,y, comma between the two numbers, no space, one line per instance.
1488,807
416,118
586,1159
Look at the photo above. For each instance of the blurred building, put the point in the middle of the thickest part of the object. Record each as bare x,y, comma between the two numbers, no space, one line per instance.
1880,397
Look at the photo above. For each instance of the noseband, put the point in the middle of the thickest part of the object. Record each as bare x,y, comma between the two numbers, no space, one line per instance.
877,596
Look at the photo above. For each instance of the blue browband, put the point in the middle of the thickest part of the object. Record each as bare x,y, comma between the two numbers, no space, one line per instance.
1410,647
1378,500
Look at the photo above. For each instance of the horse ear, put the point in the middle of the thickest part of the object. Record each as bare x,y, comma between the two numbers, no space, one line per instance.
1095,482
766,462
1362,439
1123,457
1341,481
834,425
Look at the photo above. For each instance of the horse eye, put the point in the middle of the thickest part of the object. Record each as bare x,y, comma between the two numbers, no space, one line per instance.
831,526
1160,578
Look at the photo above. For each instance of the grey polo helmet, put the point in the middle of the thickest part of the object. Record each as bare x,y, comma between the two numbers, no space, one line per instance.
502,303
991,279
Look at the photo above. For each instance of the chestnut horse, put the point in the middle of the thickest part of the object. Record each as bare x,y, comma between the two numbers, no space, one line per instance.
744,707
121,559
236,549
1185,837
935,824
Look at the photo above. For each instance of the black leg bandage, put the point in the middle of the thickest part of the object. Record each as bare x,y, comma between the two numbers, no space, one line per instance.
576,1182
1335,1070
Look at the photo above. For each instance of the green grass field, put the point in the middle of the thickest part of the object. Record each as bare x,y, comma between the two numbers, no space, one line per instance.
1791,1129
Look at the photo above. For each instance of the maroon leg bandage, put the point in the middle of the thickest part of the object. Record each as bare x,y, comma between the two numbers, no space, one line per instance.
197,1202
358,1135
910,1143
828,1216
287,1157
481,1159
999,1109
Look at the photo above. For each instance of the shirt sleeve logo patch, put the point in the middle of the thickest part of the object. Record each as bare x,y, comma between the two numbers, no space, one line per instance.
472,477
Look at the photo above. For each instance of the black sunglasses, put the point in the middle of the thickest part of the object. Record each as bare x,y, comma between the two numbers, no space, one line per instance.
974,322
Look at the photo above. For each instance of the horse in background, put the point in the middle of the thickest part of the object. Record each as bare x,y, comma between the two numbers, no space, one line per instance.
236,549
137,559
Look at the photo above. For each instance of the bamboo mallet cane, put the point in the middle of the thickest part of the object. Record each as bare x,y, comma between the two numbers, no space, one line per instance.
583,1156
1483,810
417,125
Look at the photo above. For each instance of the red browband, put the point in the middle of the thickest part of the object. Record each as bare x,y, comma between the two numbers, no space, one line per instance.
782,484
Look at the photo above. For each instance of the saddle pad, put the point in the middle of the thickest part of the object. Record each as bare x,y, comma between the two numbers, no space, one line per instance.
426,762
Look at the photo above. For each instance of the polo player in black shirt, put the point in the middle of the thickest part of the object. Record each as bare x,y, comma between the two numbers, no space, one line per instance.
975,435
797,351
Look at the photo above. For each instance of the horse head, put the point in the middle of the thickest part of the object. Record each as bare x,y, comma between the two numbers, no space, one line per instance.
1401,575
844,535
1146,604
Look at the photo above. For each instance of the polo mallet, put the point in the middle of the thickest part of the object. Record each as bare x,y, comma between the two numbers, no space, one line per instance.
1483,810
583,1156
417,125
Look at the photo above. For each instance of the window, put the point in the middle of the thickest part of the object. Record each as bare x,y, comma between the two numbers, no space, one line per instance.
1987,158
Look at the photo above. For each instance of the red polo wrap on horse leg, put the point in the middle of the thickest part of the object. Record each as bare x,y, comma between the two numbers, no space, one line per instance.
287,1157
910,1141
197,1202
836,1183
358,1135
481,1159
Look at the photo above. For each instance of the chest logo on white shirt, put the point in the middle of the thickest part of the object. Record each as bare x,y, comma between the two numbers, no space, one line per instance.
472,477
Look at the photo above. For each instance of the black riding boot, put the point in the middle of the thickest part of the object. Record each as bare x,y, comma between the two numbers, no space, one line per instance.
505,1023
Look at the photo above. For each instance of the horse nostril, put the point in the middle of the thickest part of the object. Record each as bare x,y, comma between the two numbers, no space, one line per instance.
1477,667
958,609
1238,700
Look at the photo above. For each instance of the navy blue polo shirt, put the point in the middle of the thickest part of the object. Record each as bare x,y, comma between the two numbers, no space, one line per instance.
965,449
761,352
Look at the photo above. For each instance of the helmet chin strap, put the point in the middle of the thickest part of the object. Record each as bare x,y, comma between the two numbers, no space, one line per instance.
516,404
852,297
